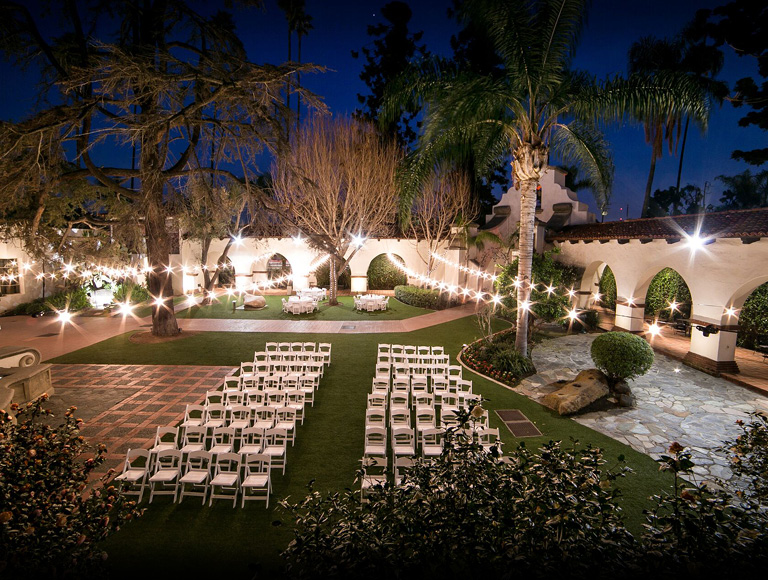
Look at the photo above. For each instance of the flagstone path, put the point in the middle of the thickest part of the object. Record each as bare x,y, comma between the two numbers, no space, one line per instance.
674,403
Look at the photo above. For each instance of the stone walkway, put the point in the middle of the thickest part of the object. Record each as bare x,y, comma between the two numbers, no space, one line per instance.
674,403
123,405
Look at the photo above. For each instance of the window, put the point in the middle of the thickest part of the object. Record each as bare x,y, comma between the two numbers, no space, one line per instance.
9,277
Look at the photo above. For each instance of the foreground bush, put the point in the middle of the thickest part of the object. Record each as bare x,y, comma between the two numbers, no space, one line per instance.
496,357
468,513
47,522
130,292
419,297
384,275
621,355
749,459
71,300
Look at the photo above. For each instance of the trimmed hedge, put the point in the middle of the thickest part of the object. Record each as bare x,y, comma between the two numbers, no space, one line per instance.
383,275
419,297
665,287
607,289
753,317
323,277
621,355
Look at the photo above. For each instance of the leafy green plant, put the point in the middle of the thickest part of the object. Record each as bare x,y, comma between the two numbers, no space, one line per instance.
48,523
131,292
753,317
749,459
465,513
383,275
668,286
607,289
323,277
547,273
697,530
621,355
72,300
419,297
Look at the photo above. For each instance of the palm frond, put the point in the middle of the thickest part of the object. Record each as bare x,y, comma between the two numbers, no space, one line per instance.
585,146
559,24
666,94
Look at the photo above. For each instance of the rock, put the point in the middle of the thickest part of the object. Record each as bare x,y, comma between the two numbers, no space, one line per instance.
588,386
254,302
626,400
622,388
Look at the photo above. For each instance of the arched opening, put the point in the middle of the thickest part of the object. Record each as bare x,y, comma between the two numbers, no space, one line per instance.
384,275
278,268
606,286
226,274
753,319
323,276
668,297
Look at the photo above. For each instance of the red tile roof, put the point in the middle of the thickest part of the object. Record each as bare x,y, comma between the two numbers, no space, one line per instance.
745,223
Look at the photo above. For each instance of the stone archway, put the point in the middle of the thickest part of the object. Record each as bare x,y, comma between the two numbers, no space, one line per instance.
278,270
746,309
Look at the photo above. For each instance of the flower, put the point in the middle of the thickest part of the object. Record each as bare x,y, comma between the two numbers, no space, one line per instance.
477,411
676,448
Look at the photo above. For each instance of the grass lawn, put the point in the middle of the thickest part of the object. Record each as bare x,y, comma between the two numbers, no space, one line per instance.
222,308
190,539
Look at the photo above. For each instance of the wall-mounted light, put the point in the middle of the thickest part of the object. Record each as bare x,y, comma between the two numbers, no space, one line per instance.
708,329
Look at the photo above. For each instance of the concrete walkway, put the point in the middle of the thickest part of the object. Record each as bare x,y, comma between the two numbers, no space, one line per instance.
53,338
674,403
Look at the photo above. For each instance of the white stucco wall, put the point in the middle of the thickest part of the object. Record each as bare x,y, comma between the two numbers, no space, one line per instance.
250,260
29,287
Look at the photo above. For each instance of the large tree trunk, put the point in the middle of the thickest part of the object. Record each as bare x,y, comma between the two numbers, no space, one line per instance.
160,282
682,155
333,281
648,186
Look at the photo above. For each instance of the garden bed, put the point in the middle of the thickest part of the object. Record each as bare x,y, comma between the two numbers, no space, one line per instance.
483,358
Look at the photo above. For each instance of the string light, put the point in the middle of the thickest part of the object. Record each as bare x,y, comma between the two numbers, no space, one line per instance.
673,306
730,311
462,268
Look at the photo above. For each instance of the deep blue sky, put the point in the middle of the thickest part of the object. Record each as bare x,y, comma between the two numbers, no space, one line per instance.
340,27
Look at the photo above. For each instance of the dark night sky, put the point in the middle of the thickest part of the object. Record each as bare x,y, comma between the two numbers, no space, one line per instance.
340,27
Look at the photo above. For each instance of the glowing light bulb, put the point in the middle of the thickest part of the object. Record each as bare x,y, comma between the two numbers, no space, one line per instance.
550,290
237,240
572,314
596,296
694,242
65,317
654,328
630,301
159,301
525,306
673,306
730,311
496,299
125,308
571,293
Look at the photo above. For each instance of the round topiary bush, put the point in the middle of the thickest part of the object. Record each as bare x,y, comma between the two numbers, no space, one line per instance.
621,355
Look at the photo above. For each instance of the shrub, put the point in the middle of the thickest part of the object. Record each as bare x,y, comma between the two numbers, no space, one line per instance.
323,277
587,320
607,289
621,355
547,307
131,292
665,287
384,275
467,513
46,521
72,300
697,531
749,459
419,297
753,318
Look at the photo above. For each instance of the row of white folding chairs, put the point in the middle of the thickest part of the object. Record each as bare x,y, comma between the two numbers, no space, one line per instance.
213,415
414,359
203,474
251,373
375,472
295,347
410,349
264,394
422,417
416,384
261,356
407,370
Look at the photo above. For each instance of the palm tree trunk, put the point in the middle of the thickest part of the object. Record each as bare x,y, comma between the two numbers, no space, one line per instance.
525,260
682,154
649,185
298,82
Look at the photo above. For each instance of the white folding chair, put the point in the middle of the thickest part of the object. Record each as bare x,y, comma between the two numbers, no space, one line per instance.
325,349
256,484
166,474
374,474
402,463
285,419
276,447
296,401
197,476
377,401
399,416
193,416
194,439
222,441
375,442
264,417
166,439
432,442
226,478
251,441
240,417
403,442
376,417
133,479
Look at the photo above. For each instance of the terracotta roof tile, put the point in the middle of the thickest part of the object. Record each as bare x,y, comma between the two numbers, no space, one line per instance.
745,223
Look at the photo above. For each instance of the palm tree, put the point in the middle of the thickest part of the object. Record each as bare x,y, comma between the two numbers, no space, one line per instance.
687,54
303,26
537,106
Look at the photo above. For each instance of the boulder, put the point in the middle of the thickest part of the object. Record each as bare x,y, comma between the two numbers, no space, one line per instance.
626,400
588,386
254,302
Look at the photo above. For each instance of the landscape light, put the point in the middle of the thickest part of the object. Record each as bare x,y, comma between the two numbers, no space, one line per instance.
159,301
730,311
237,240
191,300
631,301
572,314
694,242
65,317
125,308
654,328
